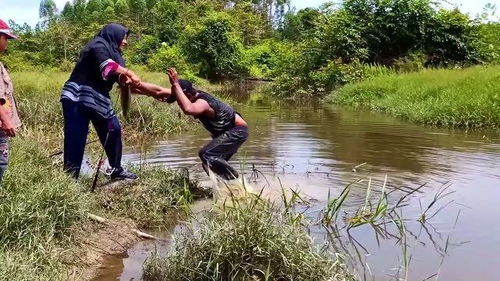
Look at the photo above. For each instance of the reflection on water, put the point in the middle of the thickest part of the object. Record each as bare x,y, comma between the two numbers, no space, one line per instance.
314,149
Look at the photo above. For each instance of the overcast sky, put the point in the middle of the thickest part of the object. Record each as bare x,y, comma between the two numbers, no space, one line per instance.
27,10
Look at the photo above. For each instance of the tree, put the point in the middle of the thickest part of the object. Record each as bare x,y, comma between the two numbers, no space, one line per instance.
249,23
121,8
215,45
68,12
95,10
166,22
48,11
452,38
137,10
298,26
79,13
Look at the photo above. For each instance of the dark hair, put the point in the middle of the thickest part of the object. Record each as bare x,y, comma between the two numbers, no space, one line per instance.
187,87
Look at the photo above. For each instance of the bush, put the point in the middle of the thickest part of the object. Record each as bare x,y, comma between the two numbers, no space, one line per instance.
215,45
269,58
490,42
452,38
142,49
170,56
413,62
322,81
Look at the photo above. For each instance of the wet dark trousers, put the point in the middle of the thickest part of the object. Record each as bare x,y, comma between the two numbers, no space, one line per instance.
76,128
217,152
4,154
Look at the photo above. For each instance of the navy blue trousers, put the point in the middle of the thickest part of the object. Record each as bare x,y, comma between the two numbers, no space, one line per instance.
76,128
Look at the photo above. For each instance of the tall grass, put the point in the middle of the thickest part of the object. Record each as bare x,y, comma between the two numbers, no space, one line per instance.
251,241
42,208
30,266
467,98
38,202
38,101
39,207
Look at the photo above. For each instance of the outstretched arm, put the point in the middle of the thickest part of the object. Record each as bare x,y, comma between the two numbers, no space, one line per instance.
152,90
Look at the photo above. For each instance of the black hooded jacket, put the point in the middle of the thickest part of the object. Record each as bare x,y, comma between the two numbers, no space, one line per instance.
101,48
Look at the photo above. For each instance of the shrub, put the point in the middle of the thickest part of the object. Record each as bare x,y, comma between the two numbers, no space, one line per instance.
142,49
269,58
169,56
251,241
214,44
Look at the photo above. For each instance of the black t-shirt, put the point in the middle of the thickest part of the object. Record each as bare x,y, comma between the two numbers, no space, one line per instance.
224,115
88,71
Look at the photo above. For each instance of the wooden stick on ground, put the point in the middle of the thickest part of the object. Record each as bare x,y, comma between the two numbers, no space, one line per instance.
139,233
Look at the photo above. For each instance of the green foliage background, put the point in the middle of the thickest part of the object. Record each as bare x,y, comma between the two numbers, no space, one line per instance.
309,52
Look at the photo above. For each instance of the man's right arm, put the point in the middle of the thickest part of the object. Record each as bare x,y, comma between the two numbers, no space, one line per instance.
153,90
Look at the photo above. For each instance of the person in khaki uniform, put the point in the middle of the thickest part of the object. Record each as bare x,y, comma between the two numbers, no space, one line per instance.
9,119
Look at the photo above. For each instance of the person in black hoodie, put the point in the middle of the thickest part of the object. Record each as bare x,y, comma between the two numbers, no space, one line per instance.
229,130
85,98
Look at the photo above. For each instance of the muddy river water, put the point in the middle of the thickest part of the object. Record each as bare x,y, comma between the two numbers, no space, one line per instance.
314,149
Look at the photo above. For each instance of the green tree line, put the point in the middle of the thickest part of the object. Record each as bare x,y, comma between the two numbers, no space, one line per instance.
308,51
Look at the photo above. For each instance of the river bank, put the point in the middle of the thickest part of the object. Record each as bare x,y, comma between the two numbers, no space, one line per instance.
46,233
45,215
466,98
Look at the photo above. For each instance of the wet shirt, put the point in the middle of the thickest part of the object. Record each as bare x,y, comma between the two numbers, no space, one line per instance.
224,115
7,96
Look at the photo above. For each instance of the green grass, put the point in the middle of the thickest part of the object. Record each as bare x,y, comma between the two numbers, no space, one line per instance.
38,96
23,265
468,98
251,241
42,209
38,202
39,207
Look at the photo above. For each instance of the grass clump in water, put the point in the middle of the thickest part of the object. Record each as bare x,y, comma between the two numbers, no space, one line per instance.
252,241
446,97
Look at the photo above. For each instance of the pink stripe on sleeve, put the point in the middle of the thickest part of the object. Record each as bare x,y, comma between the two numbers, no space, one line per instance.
109,69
